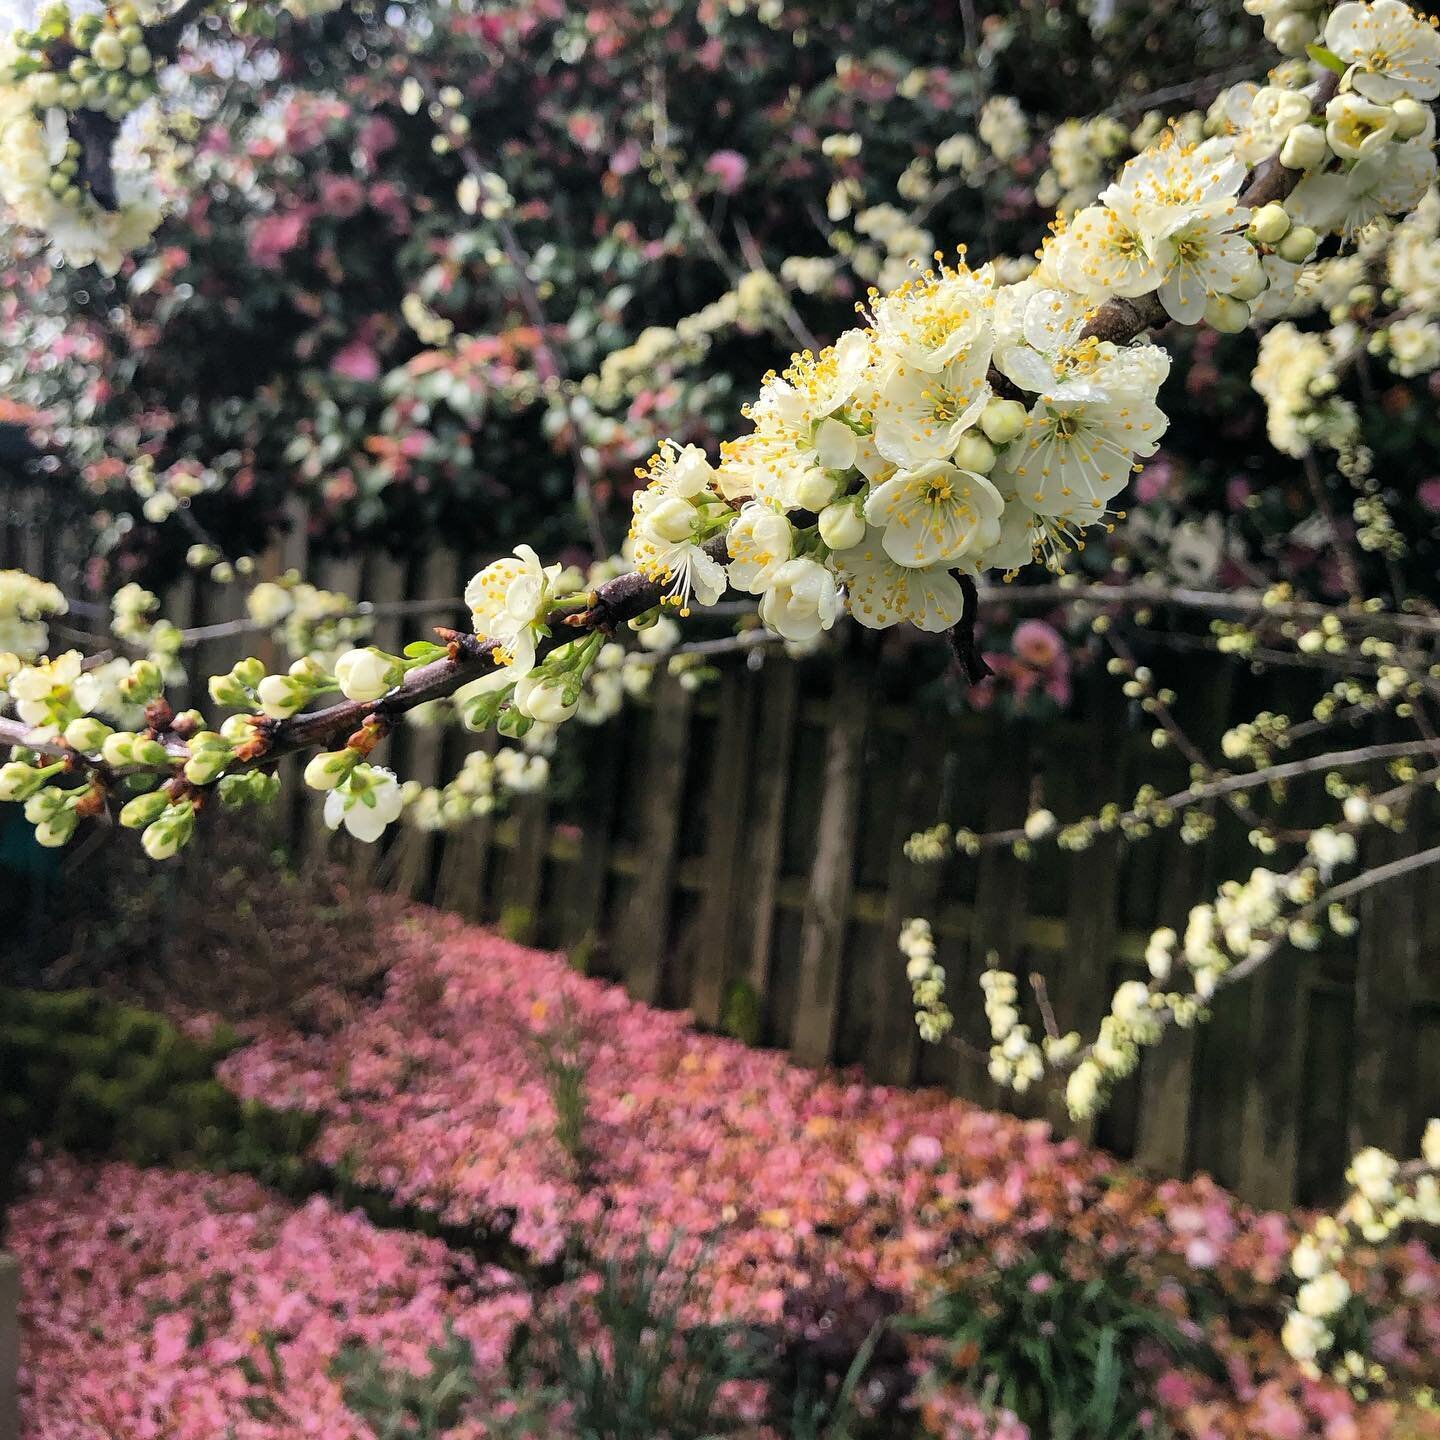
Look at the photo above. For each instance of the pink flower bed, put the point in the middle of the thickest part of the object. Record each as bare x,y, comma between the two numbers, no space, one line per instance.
438,1096
156,1305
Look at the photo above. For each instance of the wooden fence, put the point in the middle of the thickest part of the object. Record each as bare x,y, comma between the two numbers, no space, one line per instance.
738,852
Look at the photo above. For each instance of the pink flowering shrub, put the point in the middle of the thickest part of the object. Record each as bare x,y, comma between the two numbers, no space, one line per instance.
160,1305
789,1176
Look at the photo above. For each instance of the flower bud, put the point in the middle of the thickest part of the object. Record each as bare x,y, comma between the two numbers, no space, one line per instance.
326,771
1269,224
56,832
280,697
117,749
1226,314
975,453
842,525
108,51
1411,118
1298,246
1003,420
1304,148
545,699
1252,285
87,734
227,690
1293,32
44,805
672,520
207,764
365,675
136,814
143,683
149,752
19,781
166,836
249,672
815,489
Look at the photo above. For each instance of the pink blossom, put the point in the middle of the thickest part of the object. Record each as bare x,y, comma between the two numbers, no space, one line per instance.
729,168
274,236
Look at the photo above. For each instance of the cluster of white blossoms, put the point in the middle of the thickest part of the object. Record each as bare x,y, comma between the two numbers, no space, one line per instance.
66,66
24,604
927,980
1384,1196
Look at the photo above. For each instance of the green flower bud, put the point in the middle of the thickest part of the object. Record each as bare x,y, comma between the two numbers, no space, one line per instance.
208,764
1299,245
149,752
249,672
131,36
1269,224
20,782
108,52
136,814
227,690
1003,420
118,749
45,805
87,734
330,769
169,834
56,831
143,683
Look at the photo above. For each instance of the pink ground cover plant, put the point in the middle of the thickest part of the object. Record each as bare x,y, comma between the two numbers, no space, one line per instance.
169,1305
439,1095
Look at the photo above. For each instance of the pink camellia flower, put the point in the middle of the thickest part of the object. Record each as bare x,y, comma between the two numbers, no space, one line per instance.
377,135
341,196
357,361
1038,644
729,168
626,158
272,237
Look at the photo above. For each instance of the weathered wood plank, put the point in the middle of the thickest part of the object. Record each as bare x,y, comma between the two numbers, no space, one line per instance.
724,856
423,747
893,1044
765,825
642,928
822,935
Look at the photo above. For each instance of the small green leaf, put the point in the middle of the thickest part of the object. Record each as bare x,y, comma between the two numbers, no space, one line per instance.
1328,58
424,650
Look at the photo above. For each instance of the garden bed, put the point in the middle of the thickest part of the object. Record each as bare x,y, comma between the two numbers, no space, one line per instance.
493,1091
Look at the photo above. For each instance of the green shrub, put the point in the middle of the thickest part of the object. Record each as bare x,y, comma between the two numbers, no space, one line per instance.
395,1403
1057,1345
113,1081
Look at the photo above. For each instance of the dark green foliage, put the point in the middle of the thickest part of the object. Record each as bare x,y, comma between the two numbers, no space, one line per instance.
1059,1348
101,1078
744,1017
395,1403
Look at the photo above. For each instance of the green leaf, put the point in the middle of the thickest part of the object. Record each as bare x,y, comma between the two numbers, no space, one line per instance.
424,650
1328,58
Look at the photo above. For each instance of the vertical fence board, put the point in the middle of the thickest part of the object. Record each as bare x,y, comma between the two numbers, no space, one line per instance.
422,748
642,928
894,1043
822,935
765,826
724,861
581,892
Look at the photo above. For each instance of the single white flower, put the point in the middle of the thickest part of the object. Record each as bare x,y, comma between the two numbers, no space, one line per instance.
935,512
760,542
885,593
368,801
800,601
921,415
508,601
1390,181
1356,127
1390,49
